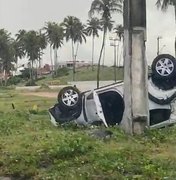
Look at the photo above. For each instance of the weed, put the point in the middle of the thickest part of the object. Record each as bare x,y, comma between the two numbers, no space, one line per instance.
31,148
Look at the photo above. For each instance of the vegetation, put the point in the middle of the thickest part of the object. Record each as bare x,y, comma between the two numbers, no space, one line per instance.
32,148
31,43
104,8
82,74
92,30
54,34
163,4
119,30
65,75
6,53
76,32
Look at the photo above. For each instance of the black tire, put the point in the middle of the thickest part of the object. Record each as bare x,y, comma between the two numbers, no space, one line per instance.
164,67
164,84
69,98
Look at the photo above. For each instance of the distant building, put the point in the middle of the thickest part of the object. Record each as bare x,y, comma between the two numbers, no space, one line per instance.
46,69
78,64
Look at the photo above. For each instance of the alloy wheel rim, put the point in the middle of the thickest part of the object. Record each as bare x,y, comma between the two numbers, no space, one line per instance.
164,67
70,97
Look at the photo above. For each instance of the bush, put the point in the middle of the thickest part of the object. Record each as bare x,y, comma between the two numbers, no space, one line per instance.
14,80
44,86
40,78
61,72
31,83
25,74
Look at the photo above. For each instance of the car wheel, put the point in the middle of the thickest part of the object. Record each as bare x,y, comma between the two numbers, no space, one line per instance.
164,67
69,98
164,84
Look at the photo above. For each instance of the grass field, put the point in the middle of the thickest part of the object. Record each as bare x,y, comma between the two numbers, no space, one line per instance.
31,148
86,74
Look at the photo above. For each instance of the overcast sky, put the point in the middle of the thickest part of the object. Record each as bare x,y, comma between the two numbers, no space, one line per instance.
33,14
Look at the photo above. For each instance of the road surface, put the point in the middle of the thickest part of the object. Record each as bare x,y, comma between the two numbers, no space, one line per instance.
81,85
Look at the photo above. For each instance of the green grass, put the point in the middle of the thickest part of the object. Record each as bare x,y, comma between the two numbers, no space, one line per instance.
86,74
106,73
31,148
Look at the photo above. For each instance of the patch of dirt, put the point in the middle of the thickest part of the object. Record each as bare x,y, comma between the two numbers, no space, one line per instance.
41,94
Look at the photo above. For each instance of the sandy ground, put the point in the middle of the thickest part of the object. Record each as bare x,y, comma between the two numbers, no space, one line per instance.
81,85
41,94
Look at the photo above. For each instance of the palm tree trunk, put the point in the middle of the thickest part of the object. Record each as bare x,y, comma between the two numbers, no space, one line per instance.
118,62
51,61
73,58
32,72
55,59
93,38
175,22
76,53
16,65
99,60
115,63
40,62
5,77
104,51
56,65
37,64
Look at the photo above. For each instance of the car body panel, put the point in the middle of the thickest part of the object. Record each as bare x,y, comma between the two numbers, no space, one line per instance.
93,110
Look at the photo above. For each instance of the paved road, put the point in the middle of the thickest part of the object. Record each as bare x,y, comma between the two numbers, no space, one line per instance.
86,85
81,85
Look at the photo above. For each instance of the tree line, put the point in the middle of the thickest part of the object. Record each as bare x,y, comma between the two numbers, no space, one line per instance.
31,43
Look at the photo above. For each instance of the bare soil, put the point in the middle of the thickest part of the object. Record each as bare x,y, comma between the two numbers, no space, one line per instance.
41,94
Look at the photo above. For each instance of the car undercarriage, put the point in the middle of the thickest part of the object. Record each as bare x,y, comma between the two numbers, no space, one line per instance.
105,105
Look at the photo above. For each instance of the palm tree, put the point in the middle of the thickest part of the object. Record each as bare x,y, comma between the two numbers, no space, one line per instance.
109,25
6,53
20,35
92,30
119,31
163,4
18,51
80,36
48,33
55,36
104,8
19,45
75,31
42,45
69,30
32,48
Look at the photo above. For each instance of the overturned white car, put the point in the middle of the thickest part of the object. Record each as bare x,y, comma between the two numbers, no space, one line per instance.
106,105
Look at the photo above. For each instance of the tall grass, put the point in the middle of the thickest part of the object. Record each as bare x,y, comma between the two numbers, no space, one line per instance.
31,148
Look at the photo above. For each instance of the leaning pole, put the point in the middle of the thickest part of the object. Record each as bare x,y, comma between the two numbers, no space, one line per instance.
136,113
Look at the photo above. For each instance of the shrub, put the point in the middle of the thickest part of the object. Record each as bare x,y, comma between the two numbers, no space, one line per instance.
14,80
31,83
61,72
25,74
44,86
40,78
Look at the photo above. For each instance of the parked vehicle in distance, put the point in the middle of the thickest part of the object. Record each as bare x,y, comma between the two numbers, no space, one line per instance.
106,105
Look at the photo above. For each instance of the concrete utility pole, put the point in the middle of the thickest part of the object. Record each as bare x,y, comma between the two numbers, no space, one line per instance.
136,114
158,44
